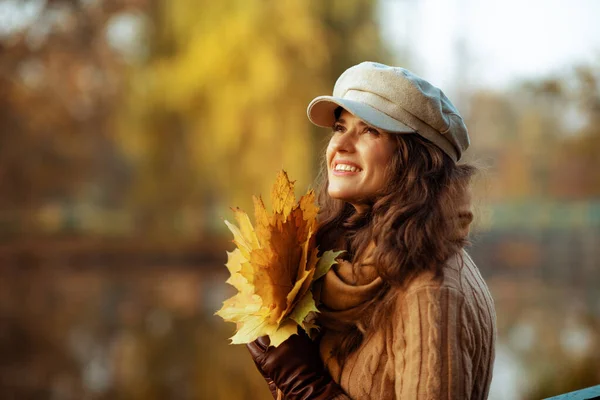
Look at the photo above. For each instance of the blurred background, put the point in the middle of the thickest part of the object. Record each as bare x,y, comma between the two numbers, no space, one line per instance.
129,127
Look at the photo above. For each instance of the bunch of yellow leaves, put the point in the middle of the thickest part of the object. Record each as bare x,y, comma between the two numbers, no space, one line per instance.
274,266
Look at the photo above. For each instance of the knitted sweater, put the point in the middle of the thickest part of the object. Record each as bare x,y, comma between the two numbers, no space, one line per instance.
438,342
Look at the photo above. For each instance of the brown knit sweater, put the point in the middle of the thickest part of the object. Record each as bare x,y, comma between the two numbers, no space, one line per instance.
438,342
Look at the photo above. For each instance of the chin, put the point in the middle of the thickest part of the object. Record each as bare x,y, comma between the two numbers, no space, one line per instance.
340,195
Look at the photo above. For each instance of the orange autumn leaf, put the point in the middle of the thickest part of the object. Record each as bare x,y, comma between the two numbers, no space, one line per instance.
274,265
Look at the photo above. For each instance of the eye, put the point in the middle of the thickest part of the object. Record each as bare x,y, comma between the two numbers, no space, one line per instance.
337,127
373,131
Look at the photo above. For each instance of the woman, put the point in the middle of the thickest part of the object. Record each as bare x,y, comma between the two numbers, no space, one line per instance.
406,314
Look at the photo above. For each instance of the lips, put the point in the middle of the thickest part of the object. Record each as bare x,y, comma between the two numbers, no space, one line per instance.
343,166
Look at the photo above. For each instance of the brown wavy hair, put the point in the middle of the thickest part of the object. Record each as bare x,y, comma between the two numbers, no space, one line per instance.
416,222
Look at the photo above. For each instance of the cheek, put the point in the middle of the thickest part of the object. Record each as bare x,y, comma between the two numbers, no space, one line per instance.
329,154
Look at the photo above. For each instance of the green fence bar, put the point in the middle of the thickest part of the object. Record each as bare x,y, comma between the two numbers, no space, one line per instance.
591,393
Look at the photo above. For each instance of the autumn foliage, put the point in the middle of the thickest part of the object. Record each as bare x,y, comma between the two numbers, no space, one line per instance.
274,266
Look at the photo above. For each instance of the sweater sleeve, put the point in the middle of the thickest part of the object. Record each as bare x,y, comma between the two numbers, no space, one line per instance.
433,345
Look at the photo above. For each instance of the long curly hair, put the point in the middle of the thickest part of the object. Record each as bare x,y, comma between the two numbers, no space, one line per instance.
416,222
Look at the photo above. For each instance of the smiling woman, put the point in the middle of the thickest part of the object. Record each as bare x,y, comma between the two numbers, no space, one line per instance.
405,314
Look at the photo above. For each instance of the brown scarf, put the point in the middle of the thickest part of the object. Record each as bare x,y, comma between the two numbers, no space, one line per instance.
345,291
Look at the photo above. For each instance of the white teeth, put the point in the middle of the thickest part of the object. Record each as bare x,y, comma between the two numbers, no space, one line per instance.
345,167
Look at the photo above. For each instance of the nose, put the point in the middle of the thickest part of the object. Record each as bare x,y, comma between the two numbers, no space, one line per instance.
345,142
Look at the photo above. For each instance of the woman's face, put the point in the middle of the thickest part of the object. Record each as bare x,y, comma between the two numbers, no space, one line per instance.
357,157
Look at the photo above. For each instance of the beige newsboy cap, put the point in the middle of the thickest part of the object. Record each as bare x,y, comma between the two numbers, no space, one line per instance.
395,100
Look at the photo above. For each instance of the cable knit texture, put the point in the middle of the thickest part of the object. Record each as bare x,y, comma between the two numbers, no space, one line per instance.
438,344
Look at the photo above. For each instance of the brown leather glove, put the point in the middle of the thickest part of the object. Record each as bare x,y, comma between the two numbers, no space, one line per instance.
295,367
272,386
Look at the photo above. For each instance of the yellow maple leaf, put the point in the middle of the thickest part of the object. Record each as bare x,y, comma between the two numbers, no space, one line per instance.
274,266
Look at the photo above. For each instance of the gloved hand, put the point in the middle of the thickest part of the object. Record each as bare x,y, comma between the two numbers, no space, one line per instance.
295,367
270,383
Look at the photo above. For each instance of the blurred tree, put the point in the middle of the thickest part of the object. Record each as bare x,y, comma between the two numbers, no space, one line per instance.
219,106
58,82
215,98
542,138
574,101
577,165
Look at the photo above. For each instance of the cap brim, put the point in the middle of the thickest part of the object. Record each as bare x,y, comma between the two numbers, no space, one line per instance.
321,113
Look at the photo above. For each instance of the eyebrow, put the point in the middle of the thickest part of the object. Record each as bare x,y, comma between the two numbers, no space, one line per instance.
361,122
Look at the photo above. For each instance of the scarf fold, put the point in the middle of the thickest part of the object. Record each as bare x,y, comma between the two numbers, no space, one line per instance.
345,291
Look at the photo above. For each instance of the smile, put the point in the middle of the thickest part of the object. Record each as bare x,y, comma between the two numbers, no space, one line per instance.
346,167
